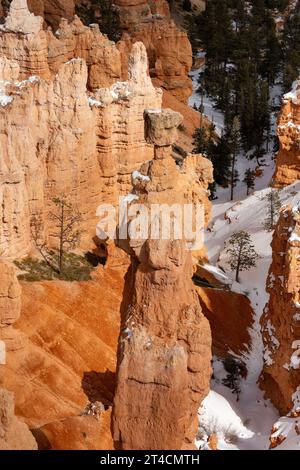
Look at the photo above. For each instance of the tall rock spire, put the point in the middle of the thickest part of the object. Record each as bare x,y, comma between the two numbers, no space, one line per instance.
20,20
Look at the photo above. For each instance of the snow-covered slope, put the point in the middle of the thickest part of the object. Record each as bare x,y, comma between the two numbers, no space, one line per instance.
248,422
256,414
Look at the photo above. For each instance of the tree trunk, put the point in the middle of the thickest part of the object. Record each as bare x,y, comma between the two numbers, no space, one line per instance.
61,239
239,263
272,211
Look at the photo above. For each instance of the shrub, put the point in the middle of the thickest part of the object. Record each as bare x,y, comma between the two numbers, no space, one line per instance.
76,268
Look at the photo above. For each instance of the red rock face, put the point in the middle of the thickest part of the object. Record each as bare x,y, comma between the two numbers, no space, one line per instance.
170,55
288,130
10,307
68,125
14,435
164,348
281,319
70,355
134,12
232,334
52,124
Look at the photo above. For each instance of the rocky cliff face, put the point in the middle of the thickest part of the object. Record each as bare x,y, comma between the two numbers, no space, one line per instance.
281,318
14,435
288,130
70,125
52,126
10,308
168,48
164,348
132,13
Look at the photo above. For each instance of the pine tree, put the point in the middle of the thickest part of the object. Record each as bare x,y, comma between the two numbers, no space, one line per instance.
242,253
249,180
201,140
234,145
273,206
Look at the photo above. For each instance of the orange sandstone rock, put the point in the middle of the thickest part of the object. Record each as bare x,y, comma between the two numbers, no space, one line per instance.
164,348
230,316
288,130
14,435
10,308
56,127
76,433
281,319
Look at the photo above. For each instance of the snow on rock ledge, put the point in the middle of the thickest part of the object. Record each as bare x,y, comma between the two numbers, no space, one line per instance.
280,324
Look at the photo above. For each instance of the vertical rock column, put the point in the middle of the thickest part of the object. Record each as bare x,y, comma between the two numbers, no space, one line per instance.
165,344
10,308
281,319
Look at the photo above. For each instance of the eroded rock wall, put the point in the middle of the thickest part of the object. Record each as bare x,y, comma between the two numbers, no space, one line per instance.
165,343
288,130
281,319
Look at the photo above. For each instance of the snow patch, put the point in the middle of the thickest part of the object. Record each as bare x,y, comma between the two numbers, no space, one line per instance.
293,94
136,175
130,198
216,416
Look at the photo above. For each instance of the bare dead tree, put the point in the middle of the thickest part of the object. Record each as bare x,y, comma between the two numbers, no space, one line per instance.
66,217
37,229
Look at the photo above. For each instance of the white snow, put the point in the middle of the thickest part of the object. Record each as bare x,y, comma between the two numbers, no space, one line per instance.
290,124
5,100
296,400
257,414
136,175
93,102
130,198
23,83
245,424
295,357
120,90
218,273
